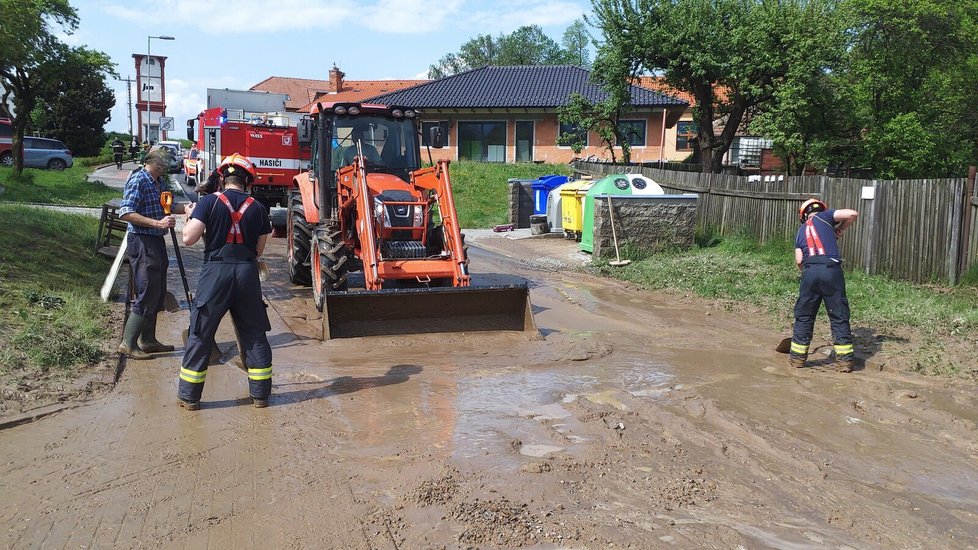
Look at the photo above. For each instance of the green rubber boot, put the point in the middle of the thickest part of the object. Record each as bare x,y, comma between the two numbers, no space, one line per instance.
147,337
128,347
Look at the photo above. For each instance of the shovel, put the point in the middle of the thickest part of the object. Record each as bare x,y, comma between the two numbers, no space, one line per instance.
166,199
784,346
114,270
618,262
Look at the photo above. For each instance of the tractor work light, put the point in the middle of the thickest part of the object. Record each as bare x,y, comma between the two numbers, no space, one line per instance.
340,110
397,113
354,110
409,113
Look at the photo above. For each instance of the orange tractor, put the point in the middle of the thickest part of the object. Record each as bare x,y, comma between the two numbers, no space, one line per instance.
377,236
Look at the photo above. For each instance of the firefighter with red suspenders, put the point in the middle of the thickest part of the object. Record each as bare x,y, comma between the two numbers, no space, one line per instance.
235,228
817,256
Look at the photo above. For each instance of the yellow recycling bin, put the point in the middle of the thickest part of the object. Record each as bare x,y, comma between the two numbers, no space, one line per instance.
572,205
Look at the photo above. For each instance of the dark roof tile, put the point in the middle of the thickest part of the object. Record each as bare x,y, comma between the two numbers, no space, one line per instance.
544,86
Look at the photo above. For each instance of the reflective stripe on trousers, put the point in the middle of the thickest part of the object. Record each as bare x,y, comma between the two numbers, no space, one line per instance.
822,281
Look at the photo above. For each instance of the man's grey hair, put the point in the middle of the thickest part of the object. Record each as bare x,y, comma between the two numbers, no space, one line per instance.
157,157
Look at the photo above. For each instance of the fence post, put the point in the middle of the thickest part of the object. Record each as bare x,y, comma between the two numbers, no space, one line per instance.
870,233
965,242
955,221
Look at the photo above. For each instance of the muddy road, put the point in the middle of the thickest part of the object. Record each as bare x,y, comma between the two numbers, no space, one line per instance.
639,420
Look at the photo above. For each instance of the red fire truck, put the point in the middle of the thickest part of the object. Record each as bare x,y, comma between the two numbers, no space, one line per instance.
270,140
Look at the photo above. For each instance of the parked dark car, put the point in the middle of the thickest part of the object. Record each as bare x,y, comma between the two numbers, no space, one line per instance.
175,155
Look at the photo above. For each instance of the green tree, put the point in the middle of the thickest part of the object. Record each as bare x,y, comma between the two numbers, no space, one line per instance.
910,75
74,102
476,52
731,55
576,42
527,45
26,38
612,72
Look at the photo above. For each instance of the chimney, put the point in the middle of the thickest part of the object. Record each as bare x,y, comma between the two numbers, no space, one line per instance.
335,80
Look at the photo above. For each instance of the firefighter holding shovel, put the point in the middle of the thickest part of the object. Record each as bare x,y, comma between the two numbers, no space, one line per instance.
817,256
235,229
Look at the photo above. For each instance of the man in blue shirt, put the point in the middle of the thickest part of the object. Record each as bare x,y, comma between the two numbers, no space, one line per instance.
148,258
235,228
817,256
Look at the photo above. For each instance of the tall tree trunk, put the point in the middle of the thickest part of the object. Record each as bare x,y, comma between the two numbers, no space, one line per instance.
20,127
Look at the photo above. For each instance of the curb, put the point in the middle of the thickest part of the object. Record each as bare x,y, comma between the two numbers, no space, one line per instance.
38,414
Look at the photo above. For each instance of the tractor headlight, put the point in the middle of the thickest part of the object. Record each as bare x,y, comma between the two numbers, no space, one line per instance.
418,216
397,113
409,113
340,110
354,110
380,213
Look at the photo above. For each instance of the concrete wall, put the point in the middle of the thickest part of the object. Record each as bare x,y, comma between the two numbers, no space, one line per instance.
520,202
648,224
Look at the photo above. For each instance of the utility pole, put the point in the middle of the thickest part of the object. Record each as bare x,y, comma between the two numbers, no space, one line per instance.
128,82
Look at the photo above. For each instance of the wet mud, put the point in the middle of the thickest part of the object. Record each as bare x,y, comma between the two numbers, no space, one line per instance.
635,421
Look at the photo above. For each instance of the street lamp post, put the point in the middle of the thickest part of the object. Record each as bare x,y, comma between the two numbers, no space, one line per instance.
148,38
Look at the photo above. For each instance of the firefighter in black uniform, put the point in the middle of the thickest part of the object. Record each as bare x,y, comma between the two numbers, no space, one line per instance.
817,256
237,228
118,151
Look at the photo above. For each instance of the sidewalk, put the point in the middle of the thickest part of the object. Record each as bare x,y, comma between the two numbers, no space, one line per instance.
116,179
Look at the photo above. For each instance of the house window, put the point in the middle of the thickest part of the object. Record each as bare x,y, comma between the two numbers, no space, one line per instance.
426,131
573,130
524,141
634,131
685,134
482,141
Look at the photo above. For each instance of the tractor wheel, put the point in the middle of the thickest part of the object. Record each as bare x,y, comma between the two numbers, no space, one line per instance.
332,256
300,241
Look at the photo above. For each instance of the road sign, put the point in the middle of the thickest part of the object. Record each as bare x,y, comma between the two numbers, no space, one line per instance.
166,123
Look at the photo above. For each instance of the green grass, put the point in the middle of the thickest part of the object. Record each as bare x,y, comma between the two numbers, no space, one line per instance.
52,321
67,187
481,189
737,268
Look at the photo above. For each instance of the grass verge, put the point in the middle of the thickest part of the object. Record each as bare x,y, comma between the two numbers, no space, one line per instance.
52,322
68,187
481,189
764,277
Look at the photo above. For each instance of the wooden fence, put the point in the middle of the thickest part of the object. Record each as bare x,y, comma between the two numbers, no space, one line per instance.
917,230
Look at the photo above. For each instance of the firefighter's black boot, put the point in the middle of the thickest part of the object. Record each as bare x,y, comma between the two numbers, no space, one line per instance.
128,347
147,338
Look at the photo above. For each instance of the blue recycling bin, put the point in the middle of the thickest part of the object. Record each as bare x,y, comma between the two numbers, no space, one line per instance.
541,190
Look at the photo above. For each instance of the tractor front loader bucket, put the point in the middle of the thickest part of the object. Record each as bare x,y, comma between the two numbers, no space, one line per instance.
427,310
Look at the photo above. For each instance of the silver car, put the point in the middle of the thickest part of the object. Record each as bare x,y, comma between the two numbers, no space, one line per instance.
175,158
46,153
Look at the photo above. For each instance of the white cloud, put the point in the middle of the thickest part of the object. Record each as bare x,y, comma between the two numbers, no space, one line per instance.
240,17
409,16
508,15
74,39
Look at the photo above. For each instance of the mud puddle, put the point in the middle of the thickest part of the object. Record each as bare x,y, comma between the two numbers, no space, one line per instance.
636,421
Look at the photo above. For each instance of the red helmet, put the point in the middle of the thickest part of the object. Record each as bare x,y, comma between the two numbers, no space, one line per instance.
238,165
809,206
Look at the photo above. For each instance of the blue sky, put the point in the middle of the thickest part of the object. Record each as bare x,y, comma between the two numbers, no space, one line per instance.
238,43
